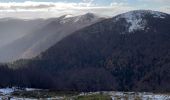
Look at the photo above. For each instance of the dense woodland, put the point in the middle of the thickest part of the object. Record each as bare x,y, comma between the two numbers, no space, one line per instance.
103,56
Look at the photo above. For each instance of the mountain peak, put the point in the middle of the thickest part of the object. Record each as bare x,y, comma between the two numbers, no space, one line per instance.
89,15
137,18
86,18
68,16
146,12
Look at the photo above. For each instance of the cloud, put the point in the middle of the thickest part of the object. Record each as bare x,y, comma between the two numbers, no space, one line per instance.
30,9
156,1
165,9
118,4
29,5
88,0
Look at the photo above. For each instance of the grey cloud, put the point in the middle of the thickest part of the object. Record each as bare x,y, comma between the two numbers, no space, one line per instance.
25,7
29,10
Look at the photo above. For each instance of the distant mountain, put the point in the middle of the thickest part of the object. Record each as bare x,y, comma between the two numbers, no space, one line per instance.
129,52
12,29
43,38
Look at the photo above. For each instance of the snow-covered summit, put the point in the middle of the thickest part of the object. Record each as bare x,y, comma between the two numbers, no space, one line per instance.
137,19
68,16
86,18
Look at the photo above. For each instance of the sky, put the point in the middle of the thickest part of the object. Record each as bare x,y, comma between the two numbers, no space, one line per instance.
55,8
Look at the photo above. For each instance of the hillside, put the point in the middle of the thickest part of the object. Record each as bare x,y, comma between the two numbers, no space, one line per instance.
12,29
42,38
127,52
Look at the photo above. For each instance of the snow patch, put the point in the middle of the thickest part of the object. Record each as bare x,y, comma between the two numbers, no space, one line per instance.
6,91
89,17
86,18
66,19
136,24
77,19
32,89
135,21
141,96
158,14
68,16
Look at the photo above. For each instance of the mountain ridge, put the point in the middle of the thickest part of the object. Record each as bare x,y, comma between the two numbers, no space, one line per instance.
100,58
34,43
